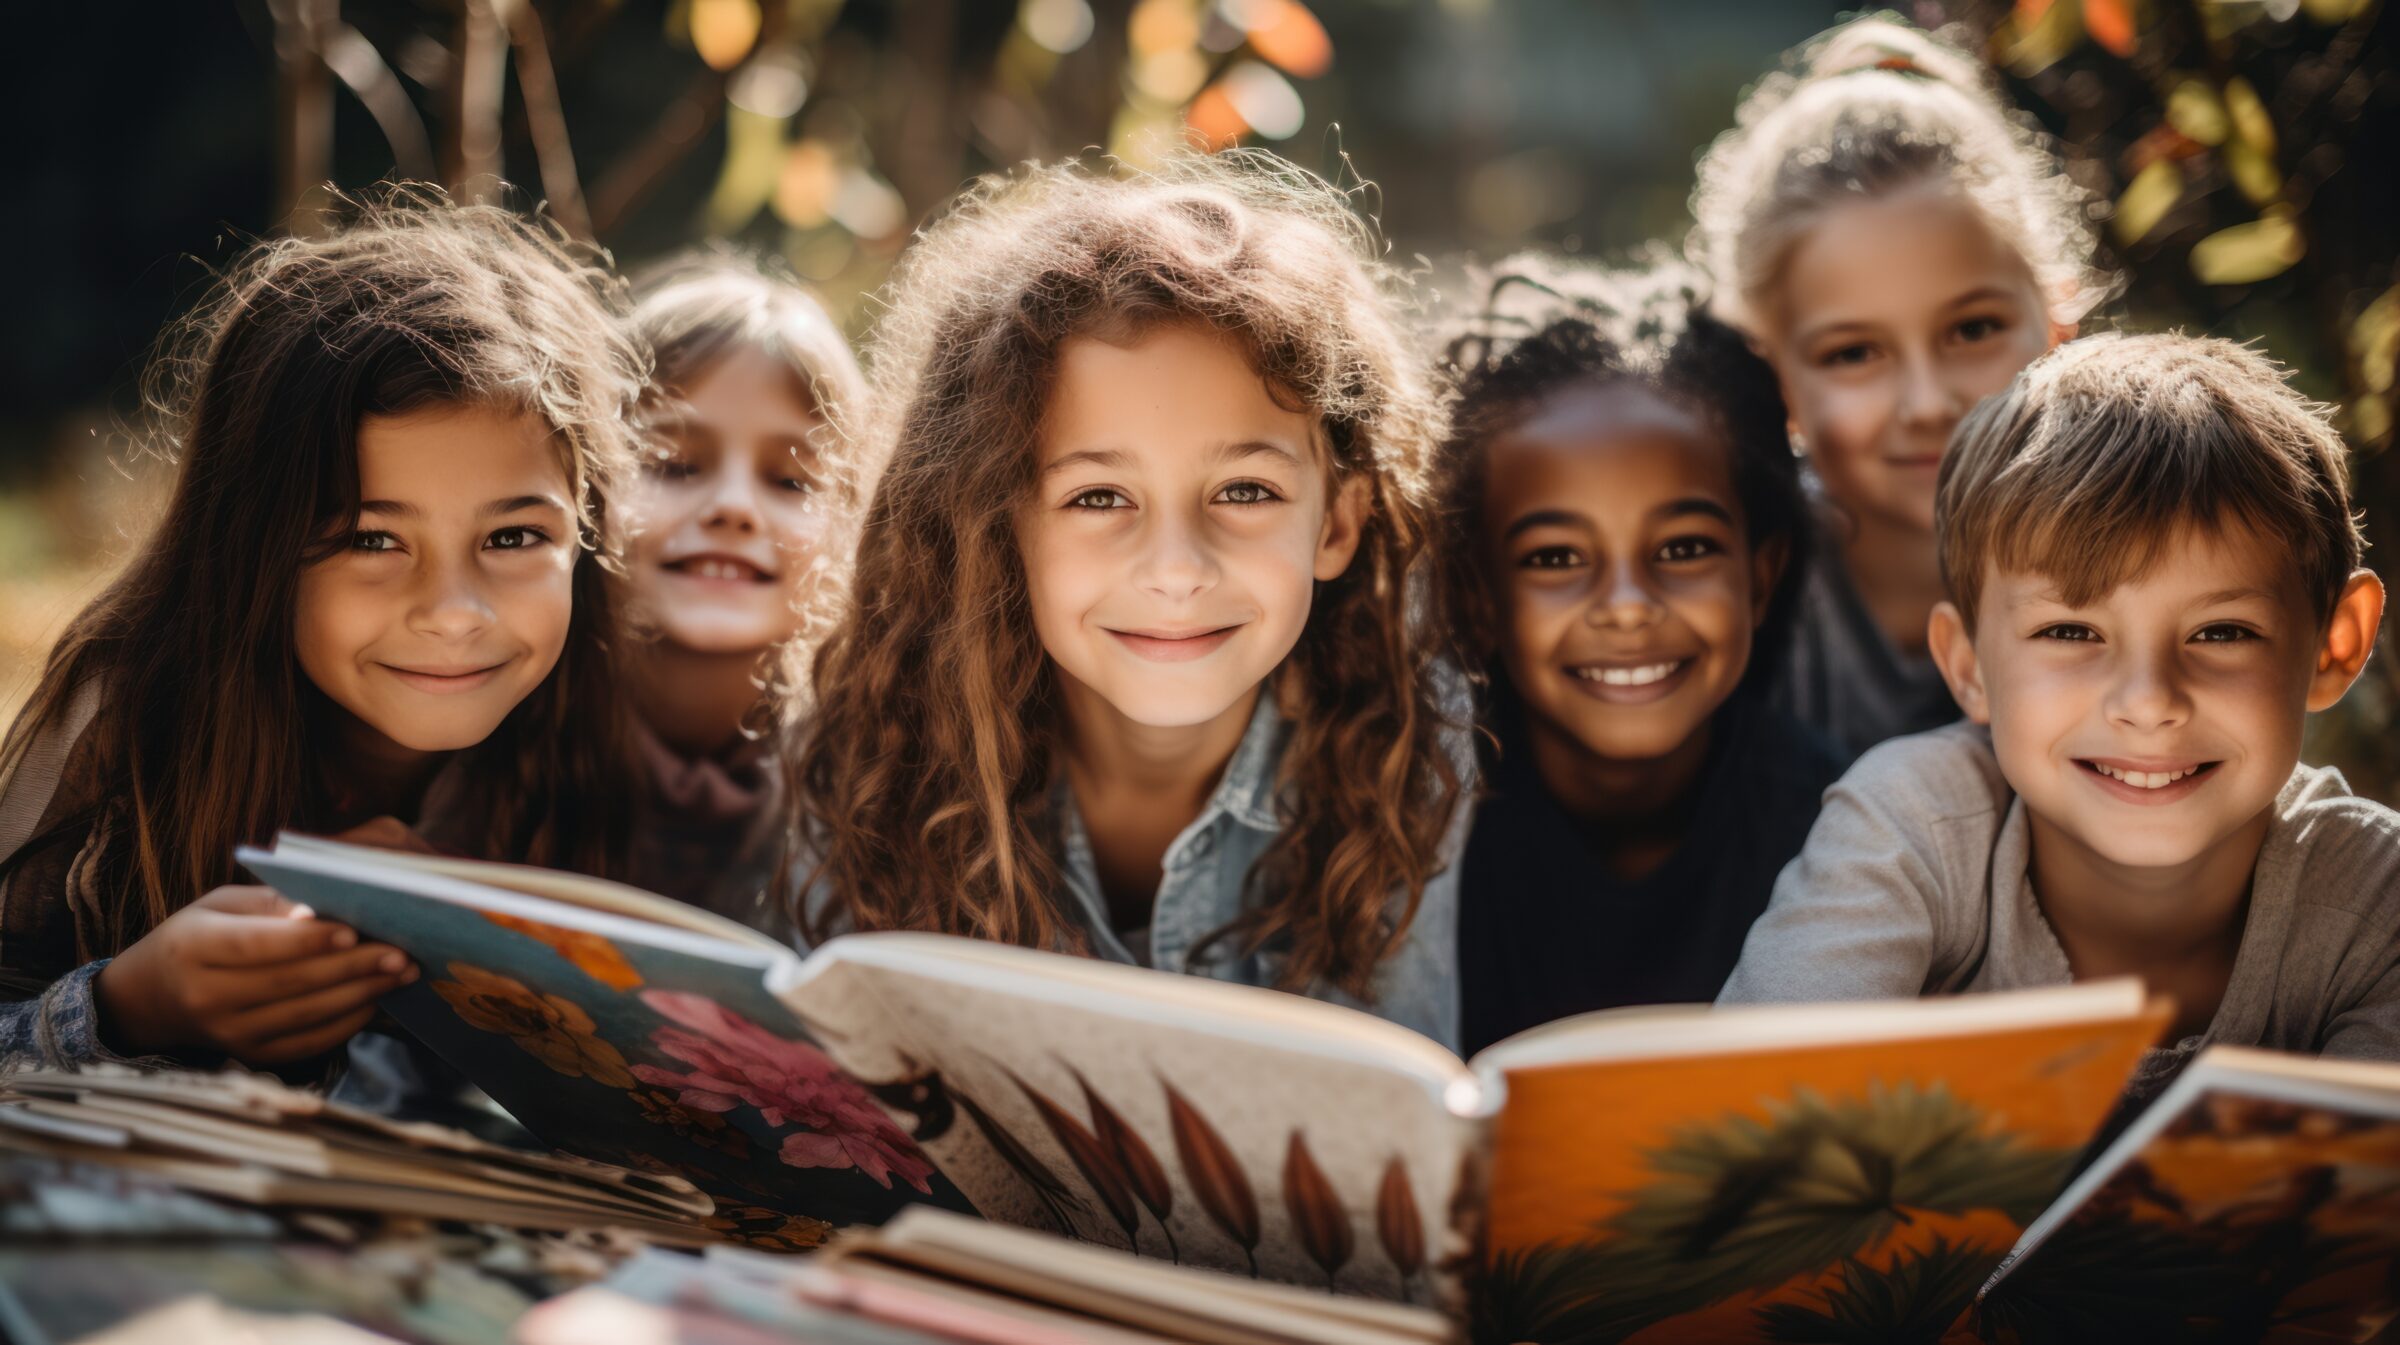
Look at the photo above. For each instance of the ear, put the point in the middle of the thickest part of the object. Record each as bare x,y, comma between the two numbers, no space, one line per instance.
1767,560
1953,648
2349,639
1345,519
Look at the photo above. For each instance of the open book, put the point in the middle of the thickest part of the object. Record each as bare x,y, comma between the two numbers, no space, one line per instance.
2258,1198
1605,1175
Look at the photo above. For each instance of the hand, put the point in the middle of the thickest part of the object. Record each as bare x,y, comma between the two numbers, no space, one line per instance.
388,833
245,972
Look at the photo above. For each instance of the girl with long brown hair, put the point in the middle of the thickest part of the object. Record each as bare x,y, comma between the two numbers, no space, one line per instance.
1130,664
374,594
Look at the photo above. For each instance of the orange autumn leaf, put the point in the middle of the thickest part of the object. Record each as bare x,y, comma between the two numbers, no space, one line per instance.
1214,121
2110,22
1291,39
590,954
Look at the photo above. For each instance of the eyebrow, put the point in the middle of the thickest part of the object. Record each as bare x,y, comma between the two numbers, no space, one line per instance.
2234,595
1695,504
1229,452
400,509
1844,326
1542,518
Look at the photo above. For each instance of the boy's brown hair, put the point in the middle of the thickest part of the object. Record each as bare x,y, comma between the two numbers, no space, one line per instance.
2086,466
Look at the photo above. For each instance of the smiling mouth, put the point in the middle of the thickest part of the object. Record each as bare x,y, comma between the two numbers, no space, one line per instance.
1166,646
1639,675
444,681
2147,780
720,569
1631,683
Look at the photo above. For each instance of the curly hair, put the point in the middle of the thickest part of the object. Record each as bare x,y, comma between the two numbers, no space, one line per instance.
695,308
1864,111
924,780
1545,325
210,735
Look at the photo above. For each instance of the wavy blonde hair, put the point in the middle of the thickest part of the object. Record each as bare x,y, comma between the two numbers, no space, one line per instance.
1866,110
924,780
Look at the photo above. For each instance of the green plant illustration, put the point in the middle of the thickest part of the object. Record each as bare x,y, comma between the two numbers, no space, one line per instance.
1742,1204
1913,1302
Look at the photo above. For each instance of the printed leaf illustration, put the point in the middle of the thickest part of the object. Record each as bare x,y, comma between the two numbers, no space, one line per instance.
1046,1187
1917,1300
1742,1204
1215,1174
1397,1225
1141,1168
1316,1210
1094,1162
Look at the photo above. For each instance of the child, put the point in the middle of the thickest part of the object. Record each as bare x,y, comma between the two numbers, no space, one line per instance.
1129,667
2155,562
1898,249
1626,528
369,598
750,495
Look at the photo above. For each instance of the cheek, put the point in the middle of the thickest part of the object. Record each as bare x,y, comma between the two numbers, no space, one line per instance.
648,511
538,605
1843,420
333,618
1716,606
795,527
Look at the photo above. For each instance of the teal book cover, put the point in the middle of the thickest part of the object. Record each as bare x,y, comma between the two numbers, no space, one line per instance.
635,1043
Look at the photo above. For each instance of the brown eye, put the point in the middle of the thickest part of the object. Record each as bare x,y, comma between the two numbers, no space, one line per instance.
1550,558
1247,492
1689,548
1099,497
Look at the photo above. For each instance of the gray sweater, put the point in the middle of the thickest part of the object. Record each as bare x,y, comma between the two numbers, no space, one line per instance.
1915,882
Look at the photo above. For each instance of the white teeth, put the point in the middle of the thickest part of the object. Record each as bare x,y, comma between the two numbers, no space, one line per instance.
2144,779
1629,677
718,569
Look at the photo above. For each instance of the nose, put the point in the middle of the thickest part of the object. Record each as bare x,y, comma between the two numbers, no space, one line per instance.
2148,692
450,603
1623,600
732,504
1928,400
1175,562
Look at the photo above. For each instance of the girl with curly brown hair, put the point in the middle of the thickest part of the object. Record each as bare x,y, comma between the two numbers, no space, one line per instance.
1130,664
375,593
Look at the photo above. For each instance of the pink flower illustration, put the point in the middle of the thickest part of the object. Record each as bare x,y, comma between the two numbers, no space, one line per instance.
792,1083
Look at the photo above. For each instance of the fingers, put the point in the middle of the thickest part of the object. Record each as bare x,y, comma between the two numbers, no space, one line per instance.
249,899
301,1016
256,986
245,941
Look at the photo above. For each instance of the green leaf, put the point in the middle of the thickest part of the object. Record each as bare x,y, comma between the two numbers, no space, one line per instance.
2249,115
2248,253
2375,342
2147,199
2254,173
2194,109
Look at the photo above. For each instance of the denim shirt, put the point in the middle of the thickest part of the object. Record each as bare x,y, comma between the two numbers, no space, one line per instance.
1200,889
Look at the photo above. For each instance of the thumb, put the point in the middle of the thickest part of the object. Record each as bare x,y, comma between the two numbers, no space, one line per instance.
246,899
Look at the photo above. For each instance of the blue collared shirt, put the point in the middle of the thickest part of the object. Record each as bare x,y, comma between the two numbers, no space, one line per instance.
1201,887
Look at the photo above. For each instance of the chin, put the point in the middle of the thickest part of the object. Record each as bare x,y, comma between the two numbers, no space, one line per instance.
1150,708
448,736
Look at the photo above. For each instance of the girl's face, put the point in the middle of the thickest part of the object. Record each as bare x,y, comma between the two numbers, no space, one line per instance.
1893,317
1179,525
1618,557
722,528
452,600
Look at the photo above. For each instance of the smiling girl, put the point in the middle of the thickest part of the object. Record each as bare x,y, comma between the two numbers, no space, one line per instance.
1898,248
1129,666
749,495
1626,532
371,596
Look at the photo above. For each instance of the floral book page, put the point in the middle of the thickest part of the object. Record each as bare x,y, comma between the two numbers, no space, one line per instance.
2260,1210
647,1047
1203,1123
1827,1191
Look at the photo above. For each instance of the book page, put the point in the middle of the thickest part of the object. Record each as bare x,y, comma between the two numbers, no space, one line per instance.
2257,1189
1778,1171
628,1041
1211,1124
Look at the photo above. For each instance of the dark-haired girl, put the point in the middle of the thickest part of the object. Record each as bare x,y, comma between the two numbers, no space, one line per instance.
371,596
1626,528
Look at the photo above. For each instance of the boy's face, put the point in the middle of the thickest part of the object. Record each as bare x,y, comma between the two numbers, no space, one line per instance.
724,523
2155,723
1179,527
1620,569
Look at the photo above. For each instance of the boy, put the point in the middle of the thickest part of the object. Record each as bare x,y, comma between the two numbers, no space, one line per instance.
2155,577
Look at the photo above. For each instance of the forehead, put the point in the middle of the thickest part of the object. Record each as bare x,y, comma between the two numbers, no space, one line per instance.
1167,391
1614,449
466,454
1897,257
2194,565
743,382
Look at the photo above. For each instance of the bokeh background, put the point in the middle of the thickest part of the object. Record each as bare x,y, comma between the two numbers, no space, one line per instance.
2248,152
